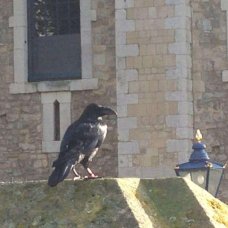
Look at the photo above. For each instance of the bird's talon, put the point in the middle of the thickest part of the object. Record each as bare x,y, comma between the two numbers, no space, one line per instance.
91,177
76,178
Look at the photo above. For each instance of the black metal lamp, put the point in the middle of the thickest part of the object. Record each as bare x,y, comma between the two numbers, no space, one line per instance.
200,169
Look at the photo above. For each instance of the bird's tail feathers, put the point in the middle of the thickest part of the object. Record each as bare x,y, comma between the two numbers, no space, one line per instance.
59,173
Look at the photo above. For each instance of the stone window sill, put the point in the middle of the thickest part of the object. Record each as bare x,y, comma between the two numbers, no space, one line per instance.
54,86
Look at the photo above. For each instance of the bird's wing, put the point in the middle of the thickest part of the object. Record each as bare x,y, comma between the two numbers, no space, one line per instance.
81,137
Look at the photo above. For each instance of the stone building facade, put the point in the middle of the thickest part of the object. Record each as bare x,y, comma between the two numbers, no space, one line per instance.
162,64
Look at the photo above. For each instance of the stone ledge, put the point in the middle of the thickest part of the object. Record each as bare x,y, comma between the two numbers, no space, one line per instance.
54,86
121,202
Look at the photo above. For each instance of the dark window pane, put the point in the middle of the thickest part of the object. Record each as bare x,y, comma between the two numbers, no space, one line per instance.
52,17
75,25
54,39
63,27
63,10
74,8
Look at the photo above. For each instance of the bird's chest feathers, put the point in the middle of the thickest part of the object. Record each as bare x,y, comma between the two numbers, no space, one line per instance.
103,130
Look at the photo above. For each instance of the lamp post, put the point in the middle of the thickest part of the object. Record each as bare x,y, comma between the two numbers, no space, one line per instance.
200,169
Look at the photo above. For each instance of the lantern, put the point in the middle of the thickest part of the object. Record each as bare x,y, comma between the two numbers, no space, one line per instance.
200,169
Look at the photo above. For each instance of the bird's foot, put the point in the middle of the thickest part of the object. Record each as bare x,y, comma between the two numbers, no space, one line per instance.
93,176
77,178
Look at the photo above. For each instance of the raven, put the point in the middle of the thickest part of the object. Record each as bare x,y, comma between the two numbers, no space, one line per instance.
80,143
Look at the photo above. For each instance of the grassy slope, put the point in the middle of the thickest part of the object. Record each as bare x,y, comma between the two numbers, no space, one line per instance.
110,203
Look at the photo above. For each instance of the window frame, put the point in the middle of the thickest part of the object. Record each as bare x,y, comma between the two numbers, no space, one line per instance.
21,84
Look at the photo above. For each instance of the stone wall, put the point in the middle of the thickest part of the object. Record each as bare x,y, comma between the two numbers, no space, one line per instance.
154,94
210,91
21,155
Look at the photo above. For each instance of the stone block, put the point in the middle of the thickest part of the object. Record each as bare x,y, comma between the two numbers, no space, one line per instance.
185,108
184,62
127,50
185,85
172,73
18,21
169,60
50,146
147,61
141,13
17,88
128,147
128,99
180,35
134,62
120,14
149,161
225,76
224,5
124,161
134,87
182,10
93,15
49,98
176,96
184,133
99,59
175,23
124,4
179,121
179,48
125,25
127,123
84,84
123,135
121,110
121,38
161,49
183,156
129,172
20,66
122,86
175,2
152,13
148,49
120,63
131,75
199,86
175,145
19,7
139,110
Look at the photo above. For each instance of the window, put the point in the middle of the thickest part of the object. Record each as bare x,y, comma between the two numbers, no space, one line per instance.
54,43
38,25
56,118
26,82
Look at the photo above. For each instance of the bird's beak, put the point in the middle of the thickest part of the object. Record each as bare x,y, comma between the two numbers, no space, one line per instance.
107,111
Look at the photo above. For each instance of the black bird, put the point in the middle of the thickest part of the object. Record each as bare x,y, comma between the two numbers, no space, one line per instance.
80,143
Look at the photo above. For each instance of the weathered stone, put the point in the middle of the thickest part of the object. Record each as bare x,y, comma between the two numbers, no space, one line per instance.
100,203
162,64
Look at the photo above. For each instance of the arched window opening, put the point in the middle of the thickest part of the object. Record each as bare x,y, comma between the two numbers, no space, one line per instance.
56,121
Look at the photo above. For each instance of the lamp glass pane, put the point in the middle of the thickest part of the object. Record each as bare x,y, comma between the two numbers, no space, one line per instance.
185,174
214,180
199,177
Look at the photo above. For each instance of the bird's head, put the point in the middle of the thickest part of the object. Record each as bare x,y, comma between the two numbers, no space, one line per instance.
97,111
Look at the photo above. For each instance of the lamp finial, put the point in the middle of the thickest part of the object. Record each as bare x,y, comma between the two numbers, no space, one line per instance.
198,136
